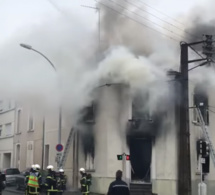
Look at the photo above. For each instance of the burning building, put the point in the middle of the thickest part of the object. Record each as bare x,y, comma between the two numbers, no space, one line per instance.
121,123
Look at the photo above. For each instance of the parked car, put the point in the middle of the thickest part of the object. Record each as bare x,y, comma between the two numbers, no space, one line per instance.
10,175
20,179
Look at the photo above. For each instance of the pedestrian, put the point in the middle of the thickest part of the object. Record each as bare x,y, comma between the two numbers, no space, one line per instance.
32,182
118,187
84,184
51,183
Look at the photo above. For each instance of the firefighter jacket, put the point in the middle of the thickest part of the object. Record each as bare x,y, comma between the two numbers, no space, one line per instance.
118,187
51,183
39,176
32,183
61,182
84,184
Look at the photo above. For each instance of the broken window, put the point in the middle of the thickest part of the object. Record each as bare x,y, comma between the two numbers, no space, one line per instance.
88,143
139,108
200,100
88,113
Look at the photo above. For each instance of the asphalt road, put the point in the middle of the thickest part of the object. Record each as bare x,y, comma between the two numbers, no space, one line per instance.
12,191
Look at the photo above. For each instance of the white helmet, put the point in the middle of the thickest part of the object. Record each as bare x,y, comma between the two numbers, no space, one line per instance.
33,167
37,167
50,167
82,170
61,170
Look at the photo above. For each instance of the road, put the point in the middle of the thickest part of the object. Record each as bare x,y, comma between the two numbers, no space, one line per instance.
12,191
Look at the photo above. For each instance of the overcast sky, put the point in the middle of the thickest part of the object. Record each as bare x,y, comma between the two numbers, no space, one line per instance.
17,14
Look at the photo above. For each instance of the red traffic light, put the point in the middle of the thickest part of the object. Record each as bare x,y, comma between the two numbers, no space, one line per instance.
127,157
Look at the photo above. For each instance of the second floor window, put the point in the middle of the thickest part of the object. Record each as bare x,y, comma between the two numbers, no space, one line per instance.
18,121
8,129
31,121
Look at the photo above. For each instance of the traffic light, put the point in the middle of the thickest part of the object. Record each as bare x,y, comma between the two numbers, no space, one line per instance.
203,148
127,157
119,157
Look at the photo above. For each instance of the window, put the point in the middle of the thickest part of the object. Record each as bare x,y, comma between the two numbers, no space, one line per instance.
31,121
30,153
89,113
139,109
18,120
0,130
200,100
8,129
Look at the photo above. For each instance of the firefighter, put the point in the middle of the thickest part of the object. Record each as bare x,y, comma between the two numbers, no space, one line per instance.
83,182
63,179
32,182
118,187
51,183
37,168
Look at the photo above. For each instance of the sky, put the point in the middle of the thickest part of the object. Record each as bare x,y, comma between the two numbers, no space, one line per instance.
23,14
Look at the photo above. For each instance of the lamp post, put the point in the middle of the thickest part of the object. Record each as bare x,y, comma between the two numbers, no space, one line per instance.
60,109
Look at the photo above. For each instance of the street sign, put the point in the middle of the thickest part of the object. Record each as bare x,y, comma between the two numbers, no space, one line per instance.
59,147
58,157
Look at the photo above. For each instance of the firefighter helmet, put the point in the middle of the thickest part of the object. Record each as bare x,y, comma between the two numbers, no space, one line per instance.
82,170
33,167
61,170
50,167
37,167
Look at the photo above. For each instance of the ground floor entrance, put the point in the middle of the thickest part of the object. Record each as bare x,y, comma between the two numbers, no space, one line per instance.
140,157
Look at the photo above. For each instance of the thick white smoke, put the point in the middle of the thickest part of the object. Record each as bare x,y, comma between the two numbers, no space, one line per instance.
132,54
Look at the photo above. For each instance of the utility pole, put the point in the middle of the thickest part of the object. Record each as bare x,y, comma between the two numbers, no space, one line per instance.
184,164
184,171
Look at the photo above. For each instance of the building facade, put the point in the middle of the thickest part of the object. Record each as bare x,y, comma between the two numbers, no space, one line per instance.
150,140
7,126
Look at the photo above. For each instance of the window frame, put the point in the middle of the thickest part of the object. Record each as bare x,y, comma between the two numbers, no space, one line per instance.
6,132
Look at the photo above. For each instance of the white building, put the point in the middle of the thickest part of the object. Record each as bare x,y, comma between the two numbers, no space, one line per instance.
7,124
151,142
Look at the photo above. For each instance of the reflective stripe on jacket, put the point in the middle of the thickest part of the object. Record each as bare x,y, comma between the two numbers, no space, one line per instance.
33,180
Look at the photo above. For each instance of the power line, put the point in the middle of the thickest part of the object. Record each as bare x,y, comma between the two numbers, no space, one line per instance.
178,35
161,19
138,21
147,5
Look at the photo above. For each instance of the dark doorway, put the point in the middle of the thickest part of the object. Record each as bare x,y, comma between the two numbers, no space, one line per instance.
140,156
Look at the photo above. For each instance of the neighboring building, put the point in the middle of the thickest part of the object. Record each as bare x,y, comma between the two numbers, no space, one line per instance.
7,123
28,142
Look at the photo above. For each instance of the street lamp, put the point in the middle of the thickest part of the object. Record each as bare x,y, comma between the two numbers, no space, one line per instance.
31,48
60,109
